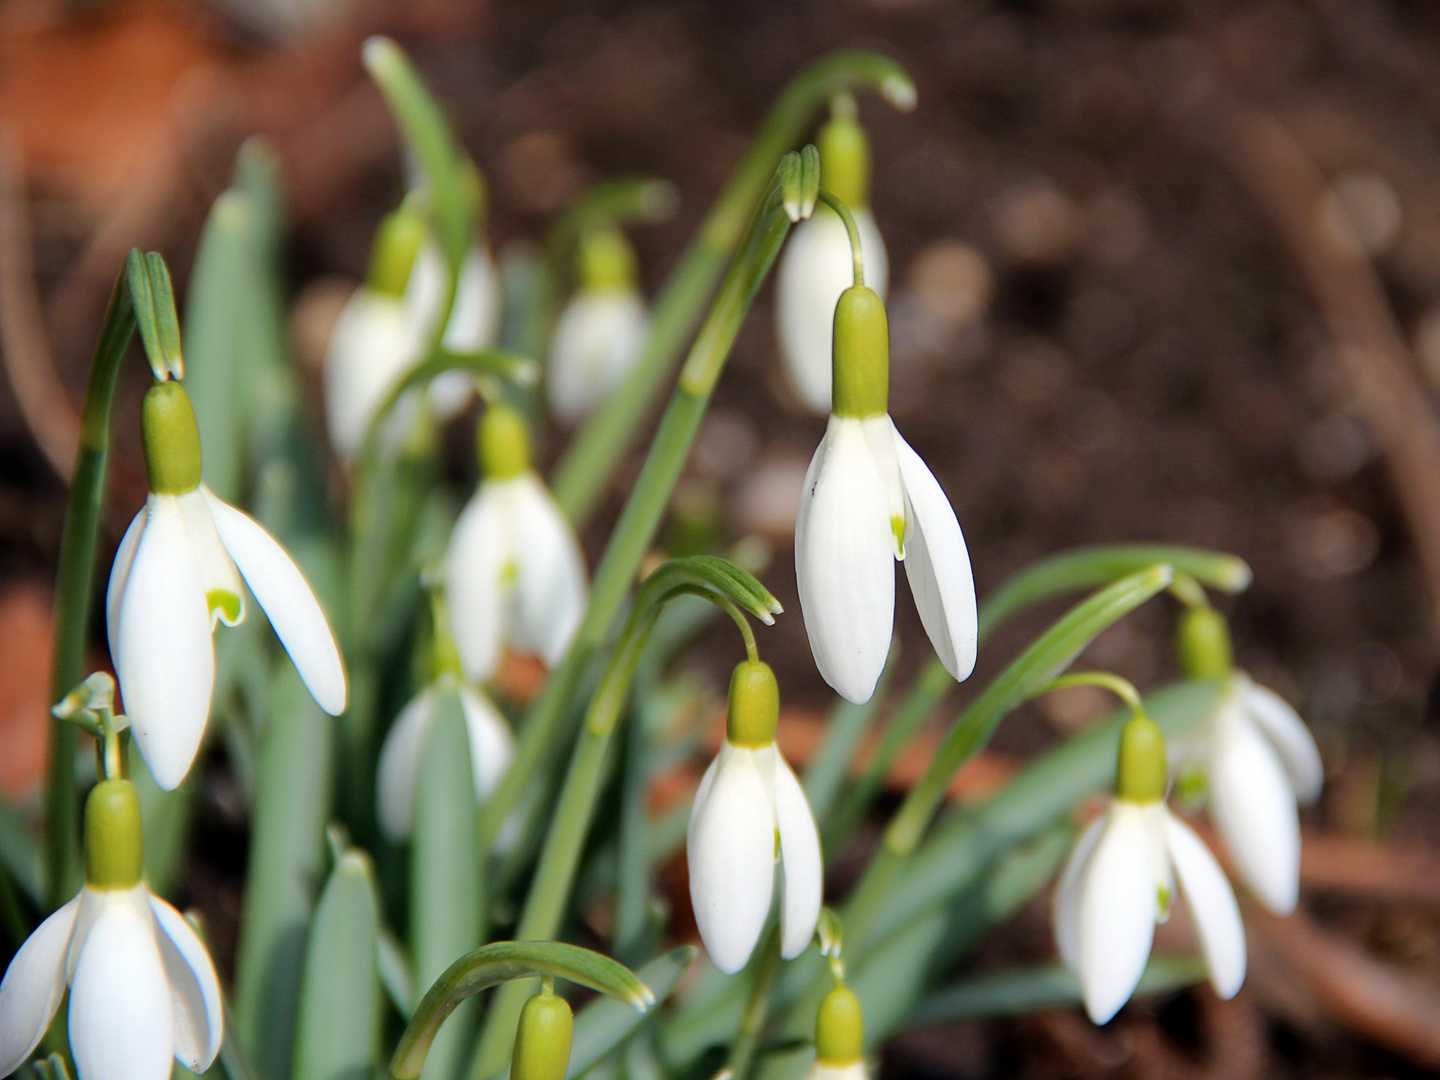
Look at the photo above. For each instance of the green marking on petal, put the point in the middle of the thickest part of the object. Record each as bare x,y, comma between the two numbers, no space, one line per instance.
1162,898
509,573
226,603
897,526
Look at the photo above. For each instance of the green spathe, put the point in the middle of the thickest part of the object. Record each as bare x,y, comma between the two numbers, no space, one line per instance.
397,244
1203,641
542,1040
112,836
839,1028
862,355
754,705
504,443
172,441
1142,770
845,154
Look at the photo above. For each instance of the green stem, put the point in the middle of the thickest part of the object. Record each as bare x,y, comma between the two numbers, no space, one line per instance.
582,475
74,588
850,227
1124,689
757,1008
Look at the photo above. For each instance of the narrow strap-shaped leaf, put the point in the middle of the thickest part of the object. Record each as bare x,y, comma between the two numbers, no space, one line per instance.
154,300
606,1022
499,962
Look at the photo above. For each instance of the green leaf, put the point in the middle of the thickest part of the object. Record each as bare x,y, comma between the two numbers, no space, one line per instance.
337,1029
844,731
1027,990
500,962
165,818
604,1024
20,853
444,870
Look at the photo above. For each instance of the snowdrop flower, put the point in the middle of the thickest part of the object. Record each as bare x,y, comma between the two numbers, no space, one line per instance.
514,572
601,330
177,572
377,338
869,499
1257,760
143,990
491,748
474,318
815,268
749,814
839,1037
1120,880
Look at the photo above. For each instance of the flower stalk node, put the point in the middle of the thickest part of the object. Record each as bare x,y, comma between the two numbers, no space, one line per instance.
542,1040
839,1028
1142,770
171,438
861,366
754,711
845,153
112,836
504,443
1203,642
605,260
398,241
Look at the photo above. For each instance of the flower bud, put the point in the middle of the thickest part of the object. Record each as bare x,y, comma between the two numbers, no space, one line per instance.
1142,770
861,359
504,443
397,244
112,835
754,709
844,155
171,439
605,260
839,1028
542,1040
1203,641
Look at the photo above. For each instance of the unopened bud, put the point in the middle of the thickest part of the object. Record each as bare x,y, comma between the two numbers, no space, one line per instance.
754,710
861,366
1203,641
1142,770
542,1041
839,1028
171,439
504,443
112,835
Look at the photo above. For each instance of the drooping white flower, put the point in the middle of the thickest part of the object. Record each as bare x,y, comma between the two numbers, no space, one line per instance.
375,341
815,269
750,813
1259,761
143,989
596,342
514,572
176,573
491,748
1121,878
474,318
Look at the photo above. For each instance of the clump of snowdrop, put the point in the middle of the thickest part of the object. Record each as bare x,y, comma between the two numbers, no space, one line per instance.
749,814
601,330
1121,879
177,573
514,573
815,268
143,990
869,500
1256,762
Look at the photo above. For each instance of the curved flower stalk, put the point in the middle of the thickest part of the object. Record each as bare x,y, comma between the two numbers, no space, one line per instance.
143,989
749,814
815,268
177,573
514,573
601,330
869,499
1122,876
1255,760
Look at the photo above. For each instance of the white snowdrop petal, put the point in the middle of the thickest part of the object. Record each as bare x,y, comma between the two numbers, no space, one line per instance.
1212,905
475,318
119,574
1117,905
937,565
1292,739
199,1019
289,604
800,861
121,1013
702,796
844,562
1253,806
491,744
550,587
854,1071
373,344
477,564
166,661
731,857
1066,918
597,340
399,766
33,986
223,593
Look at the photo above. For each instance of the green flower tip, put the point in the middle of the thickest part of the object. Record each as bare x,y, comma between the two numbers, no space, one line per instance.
504,443
845,154
754,711
605,260
397,243
1142,771
839,1028
861,355
171,439
1203,641
542,1041
477,194
112,836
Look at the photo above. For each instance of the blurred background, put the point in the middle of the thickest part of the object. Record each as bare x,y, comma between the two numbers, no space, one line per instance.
1161,270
